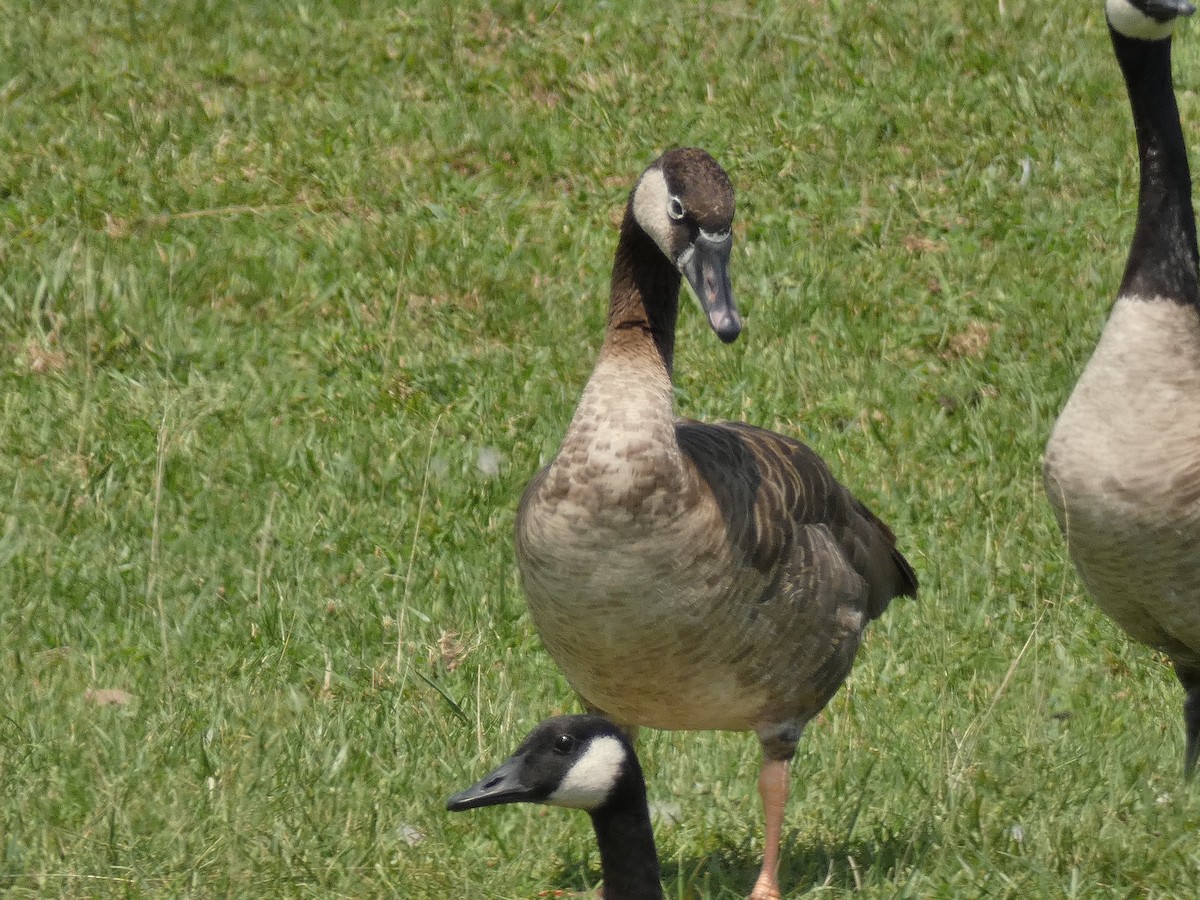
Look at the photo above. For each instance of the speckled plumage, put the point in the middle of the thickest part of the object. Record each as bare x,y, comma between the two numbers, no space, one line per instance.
719,578
687,575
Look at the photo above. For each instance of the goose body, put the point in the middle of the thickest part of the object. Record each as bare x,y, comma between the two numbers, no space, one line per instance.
1122,466
583,762
691,627
687,575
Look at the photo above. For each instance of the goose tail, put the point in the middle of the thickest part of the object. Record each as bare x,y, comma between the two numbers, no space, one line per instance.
901,580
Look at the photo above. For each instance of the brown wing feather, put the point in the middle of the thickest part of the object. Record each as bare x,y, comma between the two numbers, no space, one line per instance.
773,492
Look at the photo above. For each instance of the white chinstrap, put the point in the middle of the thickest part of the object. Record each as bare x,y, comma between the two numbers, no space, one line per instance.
1130,21
589,782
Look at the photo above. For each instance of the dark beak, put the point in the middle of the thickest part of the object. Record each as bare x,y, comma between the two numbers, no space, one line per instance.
501,786
705,264
1168,9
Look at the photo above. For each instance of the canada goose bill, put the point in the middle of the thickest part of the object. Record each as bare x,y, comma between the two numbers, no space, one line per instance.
1164,10
500,786
705,264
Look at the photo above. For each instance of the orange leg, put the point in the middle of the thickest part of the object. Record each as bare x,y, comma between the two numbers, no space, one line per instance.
773,788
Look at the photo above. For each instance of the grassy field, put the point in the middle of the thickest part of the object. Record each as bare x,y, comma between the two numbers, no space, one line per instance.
295,298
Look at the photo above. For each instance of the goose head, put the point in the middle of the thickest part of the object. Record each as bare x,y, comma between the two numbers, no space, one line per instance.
1146,20
580,762
684,203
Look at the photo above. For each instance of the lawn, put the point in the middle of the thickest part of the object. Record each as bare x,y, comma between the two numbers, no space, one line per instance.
295,298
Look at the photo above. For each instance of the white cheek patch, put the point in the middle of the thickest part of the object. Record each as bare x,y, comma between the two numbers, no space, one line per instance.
1130,21
589,781
650,199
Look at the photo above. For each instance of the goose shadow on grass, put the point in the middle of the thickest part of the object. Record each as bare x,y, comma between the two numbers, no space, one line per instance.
883,858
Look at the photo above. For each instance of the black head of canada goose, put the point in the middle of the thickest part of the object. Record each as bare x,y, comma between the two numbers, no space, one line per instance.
687,575
1122,467
583,762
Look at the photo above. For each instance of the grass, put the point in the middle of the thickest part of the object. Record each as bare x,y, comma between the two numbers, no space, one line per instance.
294,299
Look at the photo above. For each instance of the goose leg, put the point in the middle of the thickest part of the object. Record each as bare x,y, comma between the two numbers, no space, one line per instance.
773,788
779,746
1190,679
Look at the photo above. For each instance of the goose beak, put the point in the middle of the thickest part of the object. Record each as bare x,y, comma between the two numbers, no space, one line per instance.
501,786
1165,10
705,264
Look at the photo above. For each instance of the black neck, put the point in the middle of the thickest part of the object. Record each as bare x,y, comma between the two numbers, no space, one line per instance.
628,856
644,299
1163,256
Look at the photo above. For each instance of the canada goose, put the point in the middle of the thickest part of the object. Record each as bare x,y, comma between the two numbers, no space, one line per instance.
693,576
1122,467
583,762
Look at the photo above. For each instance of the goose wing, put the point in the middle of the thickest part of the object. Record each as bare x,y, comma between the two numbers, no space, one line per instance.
788,517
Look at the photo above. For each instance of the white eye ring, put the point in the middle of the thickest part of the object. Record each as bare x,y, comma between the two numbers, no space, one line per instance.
675,208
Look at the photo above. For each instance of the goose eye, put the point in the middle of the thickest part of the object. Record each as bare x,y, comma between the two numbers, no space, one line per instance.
564,744
675,208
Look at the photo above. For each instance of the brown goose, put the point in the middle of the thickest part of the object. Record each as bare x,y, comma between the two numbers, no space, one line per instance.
693,576
1122,466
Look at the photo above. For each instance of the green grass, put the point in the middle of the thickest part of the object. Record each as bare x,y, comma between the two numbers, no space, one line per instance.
280,282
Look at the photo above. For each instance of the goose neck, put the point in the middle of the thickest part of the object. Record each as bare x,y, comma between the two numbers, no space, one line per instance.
644,299
628,857
1163,256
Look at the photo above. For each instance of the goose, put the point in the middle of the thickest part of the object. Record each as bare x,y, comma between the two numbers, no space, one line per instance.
583,762
1122,465
690,576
